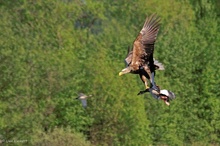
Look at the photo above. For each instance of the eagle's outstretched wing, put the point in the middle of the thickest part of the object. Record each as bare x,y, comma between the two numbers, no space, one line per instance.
143,46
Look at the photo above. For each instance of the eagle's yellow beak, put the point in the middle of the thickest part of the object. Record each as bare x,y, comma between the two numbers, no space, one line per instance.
121,73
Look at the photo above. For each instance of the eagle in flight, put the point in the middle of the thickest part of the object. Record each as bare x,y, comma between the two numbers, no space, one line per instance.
140,59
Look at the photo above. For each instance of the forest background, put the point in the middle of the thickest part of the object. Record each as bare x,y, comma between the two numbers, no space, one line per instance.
51,50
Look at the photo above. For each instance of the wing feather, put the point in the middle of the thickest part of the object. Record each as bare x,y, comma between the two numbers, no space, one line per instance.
143,46
84,102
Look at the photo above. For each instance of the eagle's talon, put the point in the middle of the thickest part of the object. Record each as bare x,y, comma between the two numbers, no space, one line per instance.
147,88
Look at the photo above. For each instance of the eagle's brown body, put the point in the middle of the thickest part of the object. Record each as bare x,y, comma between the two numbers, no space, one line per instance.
141,57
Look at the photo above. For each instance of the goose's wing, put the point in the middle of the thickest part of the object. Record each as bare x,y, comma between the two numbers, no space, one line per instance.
84,102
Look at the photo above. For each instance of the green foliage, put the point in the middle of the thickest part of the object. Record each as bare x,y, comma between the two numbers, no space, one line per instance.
59,136
52,50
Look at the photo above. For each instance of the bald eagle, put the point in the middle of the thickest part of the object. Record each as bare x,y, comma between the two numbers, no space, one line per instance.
140,59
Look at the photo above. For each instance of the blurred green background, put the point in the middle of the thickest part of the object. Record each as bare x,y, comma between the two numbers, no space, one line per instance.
53,49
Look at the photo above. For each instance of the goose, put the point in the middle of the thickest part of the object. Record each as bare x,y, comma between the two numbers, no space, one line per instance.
83,98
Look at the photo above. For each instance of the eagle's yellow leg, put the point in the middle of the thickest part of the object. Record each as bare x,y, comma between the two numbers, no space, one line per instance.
146,85
147,69
144,79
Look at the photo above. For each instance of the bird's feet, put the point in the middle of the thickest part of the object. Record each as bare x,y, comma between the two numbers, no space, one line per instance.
143,91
